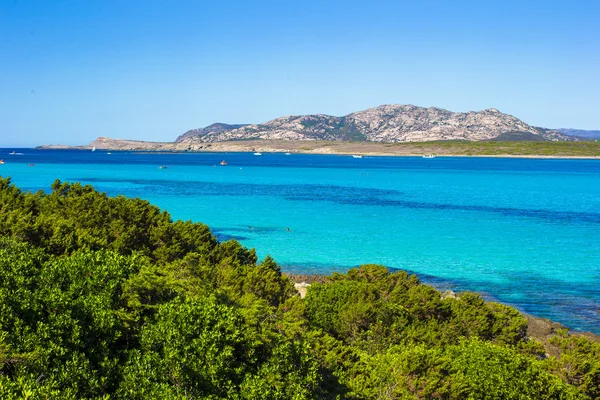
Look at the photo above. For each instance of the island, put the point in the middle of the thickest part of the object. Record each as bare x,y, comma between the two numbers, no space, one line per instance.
393,130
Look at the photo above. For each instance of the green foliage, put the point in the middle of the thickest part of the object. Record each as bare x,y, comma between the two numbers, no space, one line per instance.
62,315
578,363
472,369
374,309
485,370
76,217
197,346
108,298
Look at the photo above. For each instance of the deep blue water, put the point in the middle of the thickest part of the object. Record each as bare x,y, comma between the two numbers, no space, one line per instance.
522,231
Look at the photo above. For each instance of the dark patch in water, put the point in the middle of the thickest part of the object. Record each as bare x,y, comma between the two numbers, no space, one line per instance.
295,192
248,230
331,193
223,237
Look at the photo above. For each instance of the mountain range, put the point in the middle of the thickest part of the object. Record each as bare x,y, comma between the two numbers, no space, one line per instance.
581,133
386,123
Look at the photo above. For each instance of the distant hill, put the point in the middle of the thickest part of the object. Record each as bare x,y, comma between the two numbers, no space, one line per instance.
196,135
386,123
580,133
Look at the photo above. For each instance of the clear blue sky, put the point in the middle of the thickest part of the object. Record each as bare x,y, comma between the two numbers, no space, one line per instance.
74,70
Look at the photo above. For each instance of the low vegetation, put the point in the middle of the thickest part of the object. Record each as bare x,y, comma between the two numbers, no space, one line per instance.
449,147
446,147
109,298
515,148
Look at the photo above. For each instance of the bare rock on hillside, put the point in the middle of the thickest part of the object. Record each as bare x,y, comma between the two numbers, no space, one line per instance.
386,123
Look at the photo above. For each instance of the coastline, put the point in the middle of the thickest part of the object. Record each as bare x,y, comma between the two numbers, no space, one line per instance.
539,328
516,149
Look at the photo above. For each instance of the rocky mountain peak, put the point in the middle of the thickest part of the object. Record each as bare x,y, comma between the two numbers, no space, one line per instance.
385,123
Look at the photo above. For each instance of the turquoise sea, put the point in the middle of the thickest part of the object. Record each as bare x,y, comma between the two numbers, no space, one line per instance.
525,232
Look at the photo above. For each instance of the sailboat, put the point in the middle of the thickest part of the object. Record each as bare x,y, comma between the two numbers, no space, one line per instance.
94,148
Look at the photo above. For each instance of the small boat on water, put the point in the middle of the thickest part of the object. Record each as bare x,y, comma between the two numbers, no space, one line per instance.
223,162
258,154
429,156
1,161
32,165
94,148
162,167
13,153
357,156
109,153
288,154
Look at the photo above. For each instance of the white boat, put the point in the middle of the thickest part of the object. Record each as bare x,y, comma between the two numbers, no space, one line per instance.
94,148
258,154
357,156
288,154
429,156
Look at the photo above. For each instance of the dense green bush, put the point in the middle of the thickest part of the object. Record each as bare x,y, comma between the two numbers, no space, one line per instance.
108,298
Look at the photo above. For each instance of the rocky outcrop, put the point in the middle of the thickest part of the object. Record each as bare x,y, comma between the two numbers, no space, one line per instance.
196,135
387,123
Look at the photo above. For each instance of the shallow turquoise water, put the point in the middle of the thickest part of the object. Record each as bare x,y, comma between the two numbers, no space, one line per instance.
521,231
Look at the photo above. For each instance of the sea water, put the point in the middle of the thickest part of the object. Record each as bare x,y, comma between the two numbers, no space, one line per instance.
525,232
